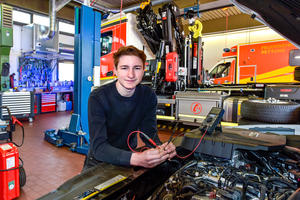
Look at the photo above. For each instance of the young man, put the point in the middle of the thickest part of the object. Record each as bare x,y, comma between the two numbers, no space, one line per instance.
117,109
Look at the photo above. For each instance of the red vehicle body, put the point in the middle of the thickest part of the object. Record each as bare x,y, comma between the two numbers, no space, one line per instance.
263,62
9,174
115,33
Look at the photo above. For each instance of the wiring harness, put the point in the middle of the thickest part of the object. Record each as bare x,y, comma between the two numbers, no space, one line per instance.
249,175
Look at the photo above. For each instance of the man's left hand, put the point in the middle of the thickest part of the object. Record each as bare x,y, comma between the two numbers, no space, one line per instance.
169,148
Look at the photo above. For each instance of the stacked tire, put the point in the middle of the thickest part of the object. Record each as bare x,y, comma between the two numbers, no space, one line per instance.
281,112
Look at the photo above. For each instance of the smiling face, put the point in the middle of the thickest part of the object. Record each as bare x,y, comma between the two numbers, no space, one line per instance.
130,71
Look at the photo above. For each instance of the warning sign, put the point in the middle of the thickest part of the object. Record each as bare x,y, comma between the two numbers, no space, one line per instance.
196,108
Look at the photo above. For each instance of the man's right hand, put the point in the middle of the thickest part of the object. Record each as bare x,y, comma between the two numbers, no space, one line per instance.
149,158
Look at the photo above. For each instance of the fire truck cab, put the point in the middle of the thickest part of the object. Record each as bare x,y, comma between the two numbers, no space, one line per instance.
114,34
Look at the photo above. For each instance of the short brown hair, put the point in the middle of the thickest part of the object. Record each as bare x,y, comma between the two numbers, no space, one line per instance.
129,51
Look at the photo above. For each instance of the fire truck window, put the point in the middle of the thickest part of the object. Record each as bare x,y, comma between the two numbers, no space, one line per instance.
213,72
106,43
226,69
221,70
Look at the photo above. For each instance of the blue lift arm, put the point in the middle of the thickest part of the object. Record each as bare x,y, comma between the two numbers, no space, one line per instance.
87,56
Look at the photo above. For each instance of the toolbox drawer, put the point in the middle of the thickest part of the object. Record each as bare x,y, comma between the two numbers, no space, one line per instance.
48,102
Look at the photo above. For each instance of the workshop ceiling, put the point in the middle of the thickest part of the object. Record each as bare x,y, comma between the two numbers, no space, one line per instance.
220,13
212,15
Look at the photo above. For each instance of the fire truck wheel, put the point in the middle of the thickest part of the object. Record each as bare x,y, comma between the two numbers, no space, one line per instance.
22,175
297,74
272,112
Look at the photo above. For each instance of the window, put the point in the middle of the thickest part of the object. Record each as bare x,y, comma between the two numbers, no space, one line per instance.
65,71
22,17
42,20
221,70
106,43
65,27
213,72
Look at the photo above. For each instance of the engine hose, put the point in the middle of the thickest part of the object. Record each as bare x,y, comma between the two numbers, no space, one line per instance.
189,187
260,186
188,165
280,180
285,195
23,135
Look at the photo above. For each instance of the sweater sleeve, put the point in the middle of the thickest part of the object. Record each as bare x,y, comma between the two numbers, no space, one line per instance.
100,148
149,122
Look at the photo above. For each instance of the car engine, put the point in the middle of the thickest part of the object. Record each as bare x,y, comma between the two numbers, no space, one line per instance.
248,175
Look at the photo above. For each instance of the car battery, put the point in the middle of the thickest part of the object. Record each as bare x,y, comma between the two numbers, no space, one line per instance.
171,66
9,172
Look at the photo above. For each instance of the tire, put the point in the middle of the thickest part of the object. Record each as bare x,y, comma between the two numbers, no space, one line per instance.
22,176
281,112
297,74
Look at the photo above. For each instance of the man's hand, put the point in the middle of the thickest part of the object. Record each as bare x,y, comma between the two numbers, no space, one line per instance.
169,148
153,157
149,158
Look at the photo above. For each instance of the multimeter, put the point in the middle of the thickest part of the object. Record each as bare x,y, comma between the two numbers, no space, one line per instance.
212,120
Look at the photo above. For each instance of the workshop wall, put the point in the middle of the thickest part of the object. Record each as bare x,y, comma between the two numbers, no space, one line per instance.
15,51
20,39
215,43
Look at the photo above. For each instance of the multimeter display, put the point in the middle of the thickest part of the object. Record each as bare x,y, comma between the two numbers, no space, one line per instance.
211,121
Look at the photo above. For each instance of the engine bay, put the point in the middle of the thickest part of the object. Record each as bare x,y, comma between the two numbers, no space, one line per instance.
248,175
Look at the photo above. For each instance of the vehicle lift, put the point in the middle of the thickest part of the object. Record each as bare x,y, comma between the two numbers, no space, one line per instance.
87,61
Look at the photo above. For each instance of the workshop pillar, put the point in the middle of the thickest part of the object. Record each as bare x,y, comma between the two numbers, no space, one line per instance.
87,56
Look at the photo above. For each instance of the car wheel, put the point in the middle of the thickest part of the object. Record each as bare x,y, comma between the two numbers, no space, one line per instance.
271,111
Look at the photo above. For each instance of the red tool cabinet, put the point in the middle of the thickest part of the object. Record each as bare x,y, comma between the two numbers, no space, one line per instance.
48,102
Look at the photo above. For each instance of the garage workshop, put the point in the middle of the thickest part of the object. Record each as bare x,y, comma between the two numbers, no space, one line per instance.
150,99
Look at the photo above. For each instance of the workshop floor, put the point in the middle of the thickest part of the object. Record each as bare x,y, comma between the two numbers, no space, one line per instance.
47,166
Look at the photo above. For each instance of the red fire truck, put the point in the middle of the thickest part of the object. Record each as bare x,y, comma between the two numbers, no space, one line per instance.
115,33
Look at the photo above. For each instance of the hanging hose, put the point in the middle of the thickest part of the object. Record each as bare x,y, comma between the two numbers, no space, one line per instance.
120,21
13,121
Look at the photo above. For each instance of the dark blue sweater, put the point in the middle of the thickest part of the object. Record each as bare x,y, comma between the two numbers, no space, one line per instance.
113,117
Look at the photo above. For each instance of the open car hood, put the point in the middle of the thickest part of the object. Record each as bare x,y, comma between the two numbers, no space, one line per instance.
283,16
